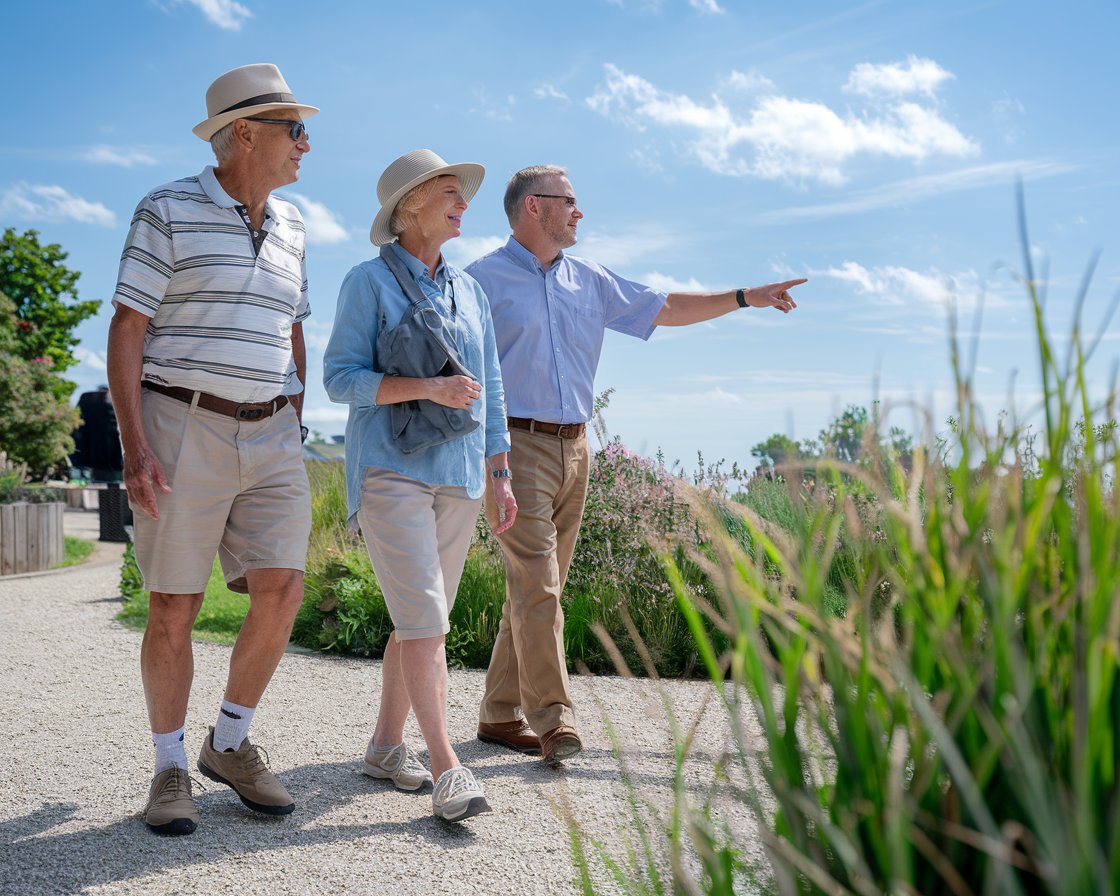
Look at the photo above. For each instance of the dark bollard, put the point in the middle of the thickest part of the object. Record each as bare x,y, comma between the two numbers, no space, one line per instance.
114,514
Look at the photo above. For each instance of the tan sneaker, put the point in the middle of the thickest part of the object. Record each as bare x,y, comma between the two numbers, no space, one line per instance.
246,771
399,765
458,796
171,809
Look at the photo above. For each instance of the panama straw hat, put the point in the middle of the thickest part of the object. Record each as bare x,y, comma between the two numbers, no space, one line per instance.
411,170
244,92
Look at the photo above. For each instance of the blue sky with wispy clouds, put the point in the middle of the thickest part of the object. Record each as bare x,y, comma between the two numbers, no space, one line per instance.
873,147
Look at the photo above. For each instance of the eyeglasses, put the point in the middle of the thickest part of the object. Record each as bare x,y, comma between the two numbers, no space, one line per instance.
569,201
296,129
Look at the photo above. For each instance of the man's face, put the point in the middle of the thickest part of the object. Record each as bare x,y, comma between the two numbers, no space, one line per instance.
277,154
558,216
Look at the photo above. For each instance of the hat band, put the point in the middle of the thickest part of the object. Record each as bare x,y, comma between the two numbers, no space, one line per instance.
260,101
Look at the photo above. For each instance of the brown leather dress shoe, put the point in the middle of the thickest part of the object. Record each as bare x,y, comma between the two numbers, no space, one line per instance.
516,736
560,743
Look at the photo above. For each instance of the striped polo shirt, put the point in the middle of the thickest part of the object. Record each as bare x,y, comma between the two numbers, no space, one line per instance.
221,314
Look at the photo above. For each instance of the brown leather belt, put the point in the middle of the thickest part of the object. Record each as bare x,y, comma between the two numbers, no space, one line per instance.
259,410
562,430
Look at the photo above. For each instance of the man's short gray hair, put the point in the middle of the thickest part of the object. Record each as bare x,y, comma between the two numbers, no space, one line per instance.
222,143
523,183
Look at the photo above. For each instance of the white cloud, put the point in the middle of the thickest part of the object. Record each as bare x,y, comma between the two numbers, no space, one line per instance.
894,285
903,192
781,137
323,225
317,333
92,359
705,5
747,81
118,155
48,202
668,283
917,76
901,287
549,92
325,414
227,14
466,249
495,109
648,160
621,249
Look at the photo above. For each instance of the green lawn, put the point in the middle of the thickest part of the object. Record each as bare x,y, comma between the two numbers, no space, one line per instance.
76,551
219,620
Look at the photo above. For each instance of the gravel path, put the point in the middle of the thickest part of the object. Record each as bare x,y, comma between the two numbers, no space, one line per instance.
76,759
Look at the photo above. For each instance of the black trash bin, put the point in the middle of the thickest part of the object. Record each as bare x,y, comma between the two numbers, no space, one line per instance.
114,514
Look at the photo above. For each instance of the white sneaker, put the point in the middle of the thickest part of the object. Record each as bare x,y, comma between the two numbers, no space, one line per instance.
458,796
397,764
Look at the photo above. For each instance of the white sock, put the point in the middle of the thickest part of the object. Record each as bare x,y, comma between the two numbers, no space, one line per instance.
170,750
232,726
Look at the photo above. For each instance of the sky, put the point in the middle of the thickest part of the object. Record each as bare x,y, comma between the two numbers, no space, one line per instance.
872,147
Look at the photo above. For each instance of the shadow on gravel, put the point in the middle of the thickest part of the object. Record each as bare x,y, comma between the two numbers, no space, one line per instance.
53,850
644,767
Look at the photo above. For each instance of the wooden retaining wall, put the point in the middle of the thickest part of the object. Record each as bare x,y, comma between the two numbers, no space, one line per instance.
31,537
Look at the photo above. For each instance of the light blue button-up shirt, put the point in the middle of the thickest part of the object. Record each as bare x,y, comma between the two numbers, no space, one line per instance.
550,324
370,299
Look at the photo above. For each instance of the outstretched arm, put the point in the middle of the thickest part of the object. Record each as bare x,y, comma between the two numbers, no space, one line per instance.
684,308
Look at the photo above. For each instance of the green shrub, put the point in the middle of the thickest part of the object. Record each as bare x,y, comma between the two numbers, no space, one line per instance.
15,488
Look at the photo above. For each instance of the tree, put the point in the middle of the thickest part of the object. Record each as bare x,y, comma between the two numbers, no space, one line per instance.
776,450
38,284
36,420
843,438
847,438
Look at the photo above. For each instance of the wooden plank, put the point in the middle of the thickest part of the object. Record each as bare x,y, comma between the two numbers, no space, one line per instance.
20,539
54,545
33,531
7,540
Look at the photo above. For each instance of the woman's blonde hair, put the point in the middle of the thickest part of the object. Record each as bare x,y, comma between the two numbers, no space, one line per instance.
404,215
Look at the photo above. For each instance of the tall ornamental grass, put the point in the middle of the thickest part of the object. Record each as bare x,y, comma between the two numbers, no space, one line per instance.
954,731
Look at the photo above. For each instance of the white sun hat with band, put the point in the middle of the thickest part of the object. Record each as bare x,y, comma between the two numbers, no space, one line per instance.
411,170
244,92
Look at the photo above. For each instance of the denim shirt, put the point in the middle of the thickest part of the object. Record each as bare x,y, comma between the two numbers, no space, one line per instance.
371,298
550,324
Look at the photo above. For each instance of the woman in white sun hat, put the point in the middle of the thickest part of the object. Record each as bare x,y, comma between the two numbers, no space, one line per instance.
418,444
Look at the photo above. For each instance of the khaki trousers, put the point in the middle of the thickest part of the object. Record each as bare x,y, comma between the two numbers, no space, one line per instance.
528,672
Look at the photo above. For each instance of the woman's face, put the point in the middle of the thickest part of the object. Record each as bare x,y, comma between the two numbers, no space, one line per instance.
441,215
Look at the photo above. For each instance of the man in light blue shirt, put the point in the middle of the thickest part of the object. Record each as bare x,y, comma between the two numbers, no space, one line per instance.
550,311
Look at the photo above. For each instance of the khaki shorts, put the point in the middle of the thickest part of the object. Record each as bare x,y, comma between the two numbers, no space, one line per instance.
238,489
417,536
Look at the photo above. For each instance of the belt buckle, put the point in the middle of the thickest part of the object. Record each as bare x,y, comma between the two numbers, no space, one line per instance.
249,412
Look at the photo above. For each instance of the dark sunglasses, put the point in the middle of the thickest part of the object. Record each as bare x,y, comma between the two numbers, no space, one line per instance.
296,129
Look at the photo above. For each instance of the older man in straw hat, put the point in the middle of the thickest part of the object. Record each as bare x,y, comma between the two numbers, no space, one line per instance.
206,365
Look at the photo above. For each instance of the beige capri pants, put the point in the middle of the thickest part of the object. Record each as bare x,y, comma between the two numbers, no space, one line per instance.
417,536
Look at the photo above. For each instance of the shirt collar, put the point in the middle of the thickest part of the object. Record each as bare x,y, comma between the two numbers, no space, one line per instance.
213,188
210,186
417,268
527,259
